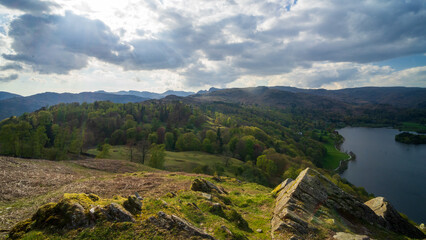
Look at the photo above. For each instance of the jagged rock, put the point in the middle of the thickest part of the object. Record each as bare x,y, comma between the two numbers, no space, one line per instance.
116,213
138,196
170,222
133,205
112,212
282,186
350,236
394,221
312,196
202,185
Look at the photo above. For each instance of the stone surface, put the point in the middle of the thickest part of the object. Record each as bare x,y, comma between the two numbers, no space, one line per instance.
116,213
350,236
133,205
312,196
282,186
172,222
202,185
207,196
394,221
259,230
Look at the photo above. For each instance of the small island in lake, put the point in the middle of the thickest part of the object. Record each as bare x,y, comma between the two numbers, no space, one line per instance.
409,138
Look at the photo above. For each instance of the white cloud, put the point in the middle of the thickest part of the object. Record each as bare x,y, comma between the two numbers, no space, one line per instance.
203,43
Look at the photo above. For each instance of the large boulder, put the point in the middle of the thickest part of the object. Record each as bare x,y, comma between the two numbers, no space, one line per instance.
175,223
394,221
72,212
202,185
133,204
311,201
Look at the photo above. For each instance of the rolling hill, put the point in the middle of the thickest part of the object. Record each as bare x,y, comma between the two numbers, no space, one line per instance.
401,97
19,105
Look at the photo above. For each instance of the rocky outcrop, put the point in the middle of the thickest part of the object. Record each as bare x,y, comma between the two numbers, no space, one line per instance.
202,185
112,212
133,204
302,204
71,212
394,221
350,236
312,206
175,223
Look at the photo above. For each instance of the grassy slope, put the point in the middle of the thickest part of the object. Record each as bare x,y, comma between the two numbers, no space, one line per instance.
250,200
334,156
181,161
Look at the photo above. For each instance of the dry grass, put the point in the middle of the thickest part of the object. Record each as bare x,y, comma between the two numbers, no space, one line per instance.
20,178
26,184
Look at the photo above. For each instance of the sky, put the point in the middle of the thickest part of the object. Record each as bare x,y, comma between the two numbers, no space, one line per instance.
190,45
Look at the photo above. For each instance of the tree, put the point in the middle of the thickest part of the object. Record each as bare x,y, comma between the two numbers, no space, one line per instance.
161,135
207,146
219,138
153,138
157,156
143,147
188,142
76,142
266,165
170,141
105,151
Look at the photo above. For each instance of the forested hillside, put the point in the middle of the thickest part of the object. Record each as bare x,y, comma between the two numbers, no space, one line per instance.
276,133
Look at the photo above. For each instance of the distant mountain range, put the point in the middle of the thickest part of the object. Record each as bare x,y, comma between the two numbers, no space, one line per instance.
16,106
279,96
403,97
152,95
6,95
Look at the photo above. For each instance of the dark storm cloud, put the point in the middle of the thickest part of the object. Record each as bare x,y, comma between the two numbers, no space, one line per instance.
30,6
58,44
11,66
9,78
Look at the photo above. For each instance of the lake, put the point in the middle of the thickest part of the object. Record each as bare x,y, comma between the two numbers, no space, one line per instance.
387,168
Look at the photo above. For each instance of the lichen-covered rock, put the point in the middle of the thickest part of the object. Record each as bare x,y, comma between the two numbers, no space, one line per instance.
170,222
202,185
394,221
116,213
133,205
72,212
20,229
63,215
282,186
350,236
302,207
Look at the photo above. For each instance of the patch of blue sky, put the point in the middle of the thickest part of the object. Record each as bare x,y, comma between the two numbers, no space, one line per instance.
401,63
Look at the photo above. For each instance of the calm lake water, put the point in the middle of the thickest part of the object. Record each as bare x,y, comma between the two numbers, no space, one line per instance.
387,168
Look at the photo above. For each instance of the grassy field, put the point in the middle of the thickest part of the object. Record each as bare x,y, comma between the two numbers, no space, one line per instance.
416,127
334,156
183,161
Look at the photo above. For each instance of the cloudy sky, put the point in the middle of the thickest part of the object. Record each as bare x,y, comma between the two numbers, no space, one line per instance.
156,45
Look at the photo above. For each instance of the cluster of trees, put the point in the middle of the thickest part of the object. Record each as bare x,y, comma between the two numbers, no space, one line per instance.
409,138
268,140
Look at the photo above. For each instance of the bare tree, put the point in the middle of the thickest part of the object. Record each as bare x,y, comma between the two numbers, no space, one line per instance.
143,147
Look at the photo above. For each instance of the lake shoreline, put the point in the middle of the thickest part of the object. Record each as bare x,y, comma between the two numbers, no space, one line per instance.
387,168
